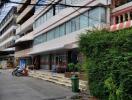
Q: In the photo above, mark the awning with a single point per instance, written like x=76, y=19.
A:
x=27, y=37
x=9, y=49
x=71, y=45
x=55, y=48
x=119, y=26
x=47, y=50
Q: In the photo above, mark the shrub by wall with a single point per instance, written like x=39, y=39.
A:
x=109, y=63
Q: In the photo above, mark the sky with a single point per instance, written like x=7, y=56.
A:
x=6, y=9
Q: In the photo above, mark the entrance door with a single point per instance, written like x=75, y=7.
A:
x=60, y=61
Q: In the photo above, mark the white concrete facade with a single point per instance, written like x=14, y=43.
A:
x=60, y=18
x=7, y=29
x=24, y=31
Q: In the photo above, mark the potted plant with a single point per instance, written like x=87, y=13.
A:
x=70, y=69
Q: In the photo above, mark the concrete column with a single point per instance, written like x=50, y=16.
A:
x=124, y=19
x=128, y=14
x=119, y=19
x=114, y=20
x=108, y=16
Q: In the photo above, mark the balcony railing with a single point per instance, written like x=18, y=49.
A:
x=25, y=26
x=127, y=5
x=20, y=6
x=7, y=32
x=29, y=8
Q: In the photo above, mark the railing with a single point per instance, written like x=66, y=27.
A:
x=29, y=8
x=129, y=4
x=25, y=25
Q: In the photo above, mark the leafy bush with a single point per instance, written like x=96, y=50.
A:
x=78, y=67
x=71, y=67
x=109, y=63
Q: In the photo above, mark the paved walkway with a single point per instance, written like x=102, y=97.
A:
x=56, y=78
x=28, y=88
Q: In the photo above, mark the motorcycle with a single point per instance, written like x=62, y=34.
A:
x=17, y=72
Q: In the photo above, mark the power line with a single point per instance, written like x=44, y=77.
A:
x=55, y=3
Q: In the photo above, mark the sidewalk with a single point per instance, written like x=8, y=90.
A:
x=56, y=78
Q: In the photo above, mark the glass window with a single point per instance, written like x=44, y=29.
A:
x=84, y=20
x=44, y=37
x=75, y=24
x=50, y=35
x=50, y=13
x=41, y=20
x=103, y=15
x=62, y=29
x=76, y=1
x=44, y=17
x=57, y=33
x=68, y=27
x=68, y=2
x=94, y=17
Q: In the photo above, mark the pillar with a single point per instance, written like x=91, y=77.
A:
x=124, y=19
x=128, y=14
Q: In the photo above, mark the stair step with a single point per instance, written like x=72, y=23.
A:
x=57, y=79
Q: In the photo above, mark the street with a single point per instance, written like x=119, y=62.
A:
x=27, y=88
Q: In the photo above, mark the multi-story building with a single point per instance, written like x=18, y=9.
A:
x=121, y=14
x=7, y=37
x=57, y=29
x=24, y=31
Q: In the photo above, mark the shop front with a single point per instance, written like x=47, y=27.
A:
x=58, y=60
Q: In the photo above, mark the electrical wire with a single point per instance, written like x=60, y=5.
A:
x=55, y=3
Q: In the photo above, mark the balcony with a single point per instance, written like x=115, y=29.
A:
x=23, y=53
x=25, y=26
x=122, y=7
x=19, y=7
x=6, y=23
x=8, y=31
x=26, y=10
x=26, y=37
x=24, y=13
x=12, y=38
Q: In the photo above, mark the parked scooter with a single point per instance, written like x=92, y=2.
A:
x=17, y=72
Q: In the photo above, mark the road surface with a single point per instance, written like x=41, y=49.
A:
x=27, y=88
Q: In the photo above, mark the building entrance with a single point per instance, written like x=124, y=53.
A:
x=59, y=61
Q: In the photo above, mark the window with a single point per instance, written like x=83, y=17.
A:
x=57, y=33
x=59, y=8
x=49, y=13
x=44, y=18
x=94, y=17
x=89, y=18
x=84, y=20
x=62, y=29
x=103, y=15
x=68, y=27
x=50, y=35
x=75, y=24
x=44, y=37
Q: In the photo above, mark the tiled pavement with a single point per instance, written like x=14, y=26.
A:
x=56, y=78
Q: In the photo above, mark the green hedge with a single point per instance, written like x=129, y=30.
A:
x=109, y=63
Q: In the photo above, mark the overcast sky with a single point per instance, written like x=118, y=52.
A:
x=6, y=8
